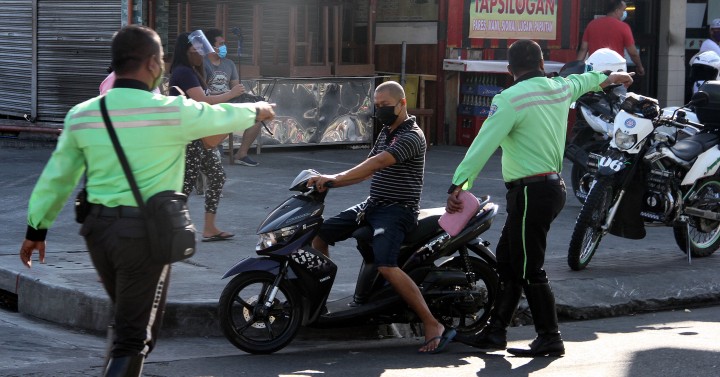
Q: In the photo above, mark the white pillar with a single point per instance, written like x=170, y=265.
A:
x=671, y=53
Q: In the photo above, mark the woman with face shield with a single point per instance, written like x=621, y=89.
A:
x=188, y=75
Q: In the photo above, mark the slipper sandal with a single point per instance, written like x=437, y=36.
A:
x=445, y=339
x=222, y=236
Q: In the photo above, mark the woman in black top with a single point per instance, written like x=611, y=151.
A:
x=188, y=75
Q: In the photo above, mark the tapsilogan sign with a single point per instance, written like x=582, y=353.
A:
x=513, y=19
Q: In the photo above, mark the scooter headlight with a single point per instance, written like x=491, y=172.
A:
x=273, y=238
x=624, y=141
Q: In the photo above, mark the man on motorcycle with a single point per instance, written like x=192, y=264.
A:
x=528, y=121
x=396, y=165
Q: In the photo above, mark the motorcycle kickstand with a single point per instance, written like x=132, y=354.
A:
x=687, y=240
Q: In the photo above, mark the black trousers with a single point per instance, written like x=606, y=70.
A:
x=531, y=209
x=137, y=286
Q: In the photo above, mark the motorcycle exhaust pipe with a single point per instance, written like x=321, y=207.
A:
x=444, y=278
x=697, y=212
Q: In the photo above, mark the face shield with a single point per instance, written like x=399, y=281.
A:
x=200, y=42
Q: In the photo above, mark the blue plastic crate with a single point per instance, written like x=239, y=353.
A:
x=473, y=110
x=480, y=90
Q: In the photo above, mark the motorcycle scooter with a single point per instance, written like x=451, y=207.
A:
x=596, y=111
x=287, y=285
x=651, y=176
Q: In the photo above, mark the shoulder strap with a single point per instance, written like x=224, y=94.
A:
x=122, y=157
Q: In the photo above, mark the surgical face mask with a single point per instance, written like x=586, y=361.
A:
x=158, y=80
x=624, y=16
x=222, y=51
x=386, y=115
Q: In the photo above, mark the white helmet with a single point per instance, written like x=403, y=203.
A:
x=606, y=59
x=705, y=66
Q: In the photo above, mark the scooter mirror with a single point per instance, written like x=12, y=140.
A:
x=699, y=99
x=300, y=182
x=573, y=67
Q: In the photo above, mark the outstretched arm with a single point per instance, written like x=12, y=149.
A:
x=623, y=78
x=355, y=175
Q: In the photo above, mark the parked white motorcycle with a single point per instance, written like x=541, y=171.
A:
x=649, y=174
x=596, y=112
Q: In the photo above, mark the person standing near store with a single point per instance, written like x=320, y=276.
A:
x=708, y=61
x=188, y=74
x=153, y=131
x=527, y=120
x=222, y=75
x=611, y=32
x=713, y=41
x=396, y=165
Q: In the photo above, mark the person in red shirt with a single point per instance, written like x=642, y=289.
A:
x=611, y=32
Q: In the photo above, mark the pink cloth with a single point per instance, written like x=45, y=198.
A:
x=108, y=83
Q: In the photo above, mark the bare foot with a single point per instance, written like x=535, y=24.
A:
x=433, y=336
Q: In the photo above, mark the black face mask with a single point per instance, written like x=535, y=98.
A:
x=386, y=115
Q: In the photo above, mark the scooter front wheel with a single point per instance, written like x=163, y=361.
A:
x=252, y=326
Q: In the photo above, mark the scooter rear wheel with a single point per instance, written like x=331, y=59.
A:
x=470, y=313
x=247, y=324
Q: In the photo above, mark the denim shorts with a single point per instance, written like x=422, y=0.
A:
x=390, y=224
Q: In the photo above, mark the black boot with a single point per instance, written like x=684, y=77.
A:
x=493, y=336
x=542, y=306
x=125, y=366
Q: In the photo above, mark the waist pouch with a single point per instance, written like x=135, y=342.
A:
x=170, y=229
x=82, y=206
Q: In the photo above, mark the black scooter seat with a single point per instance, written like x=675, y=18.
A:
x=427, y=224
x=689, y=148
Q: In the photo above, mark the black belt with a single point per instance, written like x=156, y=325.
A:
x=533, y=179
x=119, y=211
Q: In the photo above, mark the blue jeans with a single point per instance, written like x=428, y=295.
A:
x=390, y=224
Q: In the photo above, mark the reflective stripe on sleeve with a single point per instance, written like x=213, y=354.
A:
x=127, y=124
x=125, y=112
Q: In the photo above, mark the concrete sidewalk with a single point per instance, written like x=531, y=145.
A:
x=624, y=276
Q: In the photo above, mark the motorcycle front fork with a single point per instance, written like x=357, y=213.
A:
x=613, y=211
x=268, y=303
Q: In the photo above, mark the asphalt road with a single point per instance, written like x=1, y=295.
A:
x=676, y=343
x=625, y=276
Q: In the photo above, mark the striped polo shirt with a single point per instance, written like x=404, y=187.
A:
x=401, y=182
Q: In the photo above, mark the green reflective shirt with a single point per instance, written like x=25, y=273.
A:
x=529, y=122
x=153, y=130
